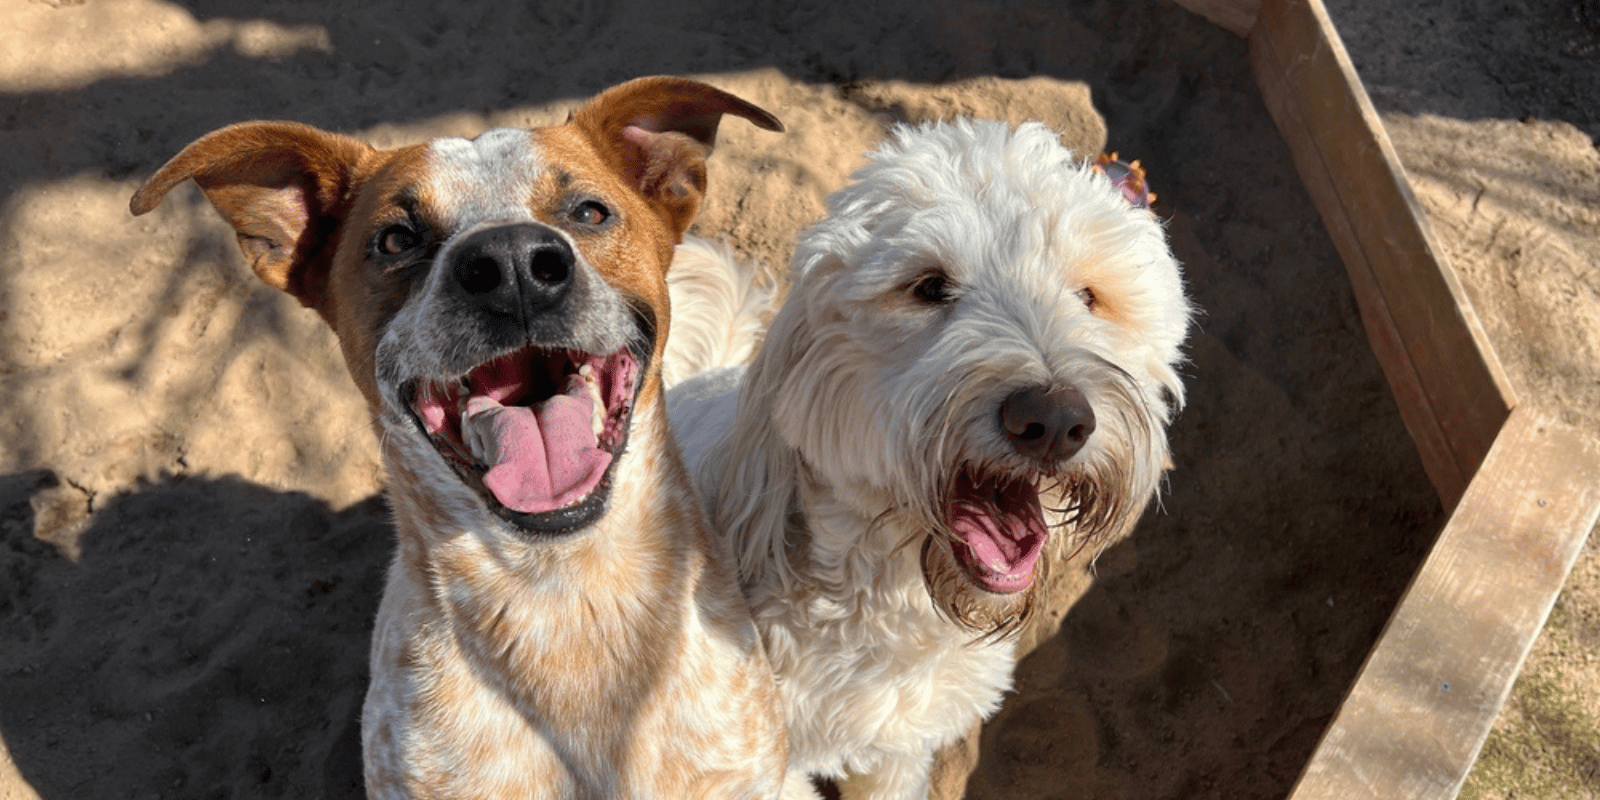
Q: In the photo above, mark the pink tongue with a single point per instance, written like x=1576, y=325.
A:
x=541, y=458
x=1004, y=532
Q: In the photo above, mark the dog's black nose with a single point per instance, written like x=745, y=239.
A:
x=1047, y=422
x=512, y=270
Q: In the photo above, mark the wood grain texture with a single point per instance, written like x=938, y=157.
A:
x=1425, y=700
x=1452, y=393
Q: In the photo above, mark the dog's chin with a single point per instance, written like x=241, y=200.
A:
x=535, y=434
x=965, y=600
x=560, y=522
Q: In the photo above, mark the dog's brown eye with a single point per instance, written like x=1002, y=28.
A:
x=398, y=239
x=590, y=213
x=934, y=288
x=1086, y=294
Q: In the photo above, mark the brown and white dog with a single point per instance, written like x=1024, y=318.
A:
x=555, y=623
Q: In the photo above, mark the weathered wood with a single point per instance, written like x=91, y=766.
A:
x=1236, y=16
x=1425, y=700
x=1525, y=489
x=1452, y=393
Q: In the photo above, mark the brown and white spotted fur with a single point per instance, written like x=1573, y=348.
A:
x=555, y=624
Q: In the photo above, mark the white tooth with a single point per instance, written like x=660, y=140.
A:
x=598, y=411
x=478, y=434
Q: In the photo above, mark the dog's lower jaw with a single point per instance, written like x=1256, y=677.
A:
x=954, y=592
x=512, y=667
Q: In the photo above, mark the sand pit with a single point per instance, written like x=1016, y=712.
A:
x=192, y=535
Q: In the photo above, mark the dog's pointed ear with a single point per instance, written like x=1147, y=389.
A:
x=281, y=185
x=656, y=132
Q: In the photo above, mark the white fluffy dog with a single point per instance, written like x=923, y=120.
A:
x=976, y=358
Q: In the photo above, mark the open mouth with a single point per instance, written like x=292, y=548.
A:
x=999, y=529
x=535, y=432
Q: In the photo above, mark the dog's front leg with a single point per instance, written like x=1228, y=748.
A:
x=896, y=779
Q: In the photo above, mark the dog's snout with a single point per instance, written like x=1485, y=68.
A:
x=514, y=269
x=1047, y=422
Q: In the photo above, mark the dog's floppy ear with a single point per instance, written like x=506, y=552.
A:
x=656, y=132
x=282, y=187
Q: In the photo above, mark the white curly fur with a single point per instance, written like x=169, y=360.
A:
x=703, y=332
x=828, y=462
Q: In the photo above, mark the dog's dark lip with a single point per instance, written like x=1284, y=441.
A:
x=569, y=519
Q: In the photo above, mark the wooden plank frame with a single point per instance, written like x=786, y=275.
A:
x=1416, y=718
x=1524, y=488
x=1452, y=393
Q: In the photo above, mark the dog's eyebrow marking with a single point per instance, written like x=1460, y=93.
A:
x=409, y=200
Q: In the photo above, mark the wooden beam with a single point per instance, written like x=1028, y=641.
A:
x=1418, y=713
x=1452, y=393
x=1237, y=16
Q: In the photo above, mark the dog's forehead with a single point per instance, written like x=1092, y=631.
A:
x=490, y=177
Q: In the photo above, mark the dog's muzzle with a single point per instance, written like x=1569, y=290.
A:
x=995, y=516
x=533, y=423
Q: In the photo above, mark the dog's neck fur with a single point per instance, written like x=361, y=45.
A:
x=517, y=609
x=620, y=566
x=865, y=596
x=826, y=548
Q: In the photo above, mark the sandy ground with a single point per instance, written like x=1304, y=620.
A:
x=192, y=534
x=1495, y=110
